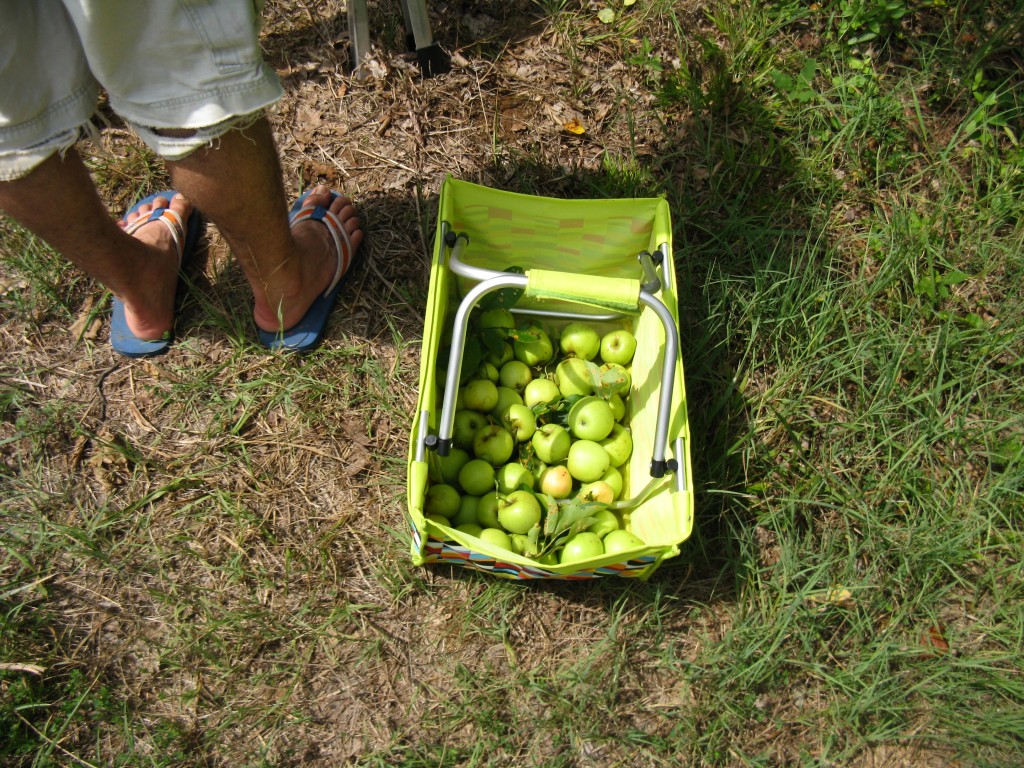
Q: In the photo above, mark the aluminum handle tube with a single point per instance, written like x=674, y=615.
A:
x=652, y=283
x=459, y=329
x=461, y=268
x=668, y=370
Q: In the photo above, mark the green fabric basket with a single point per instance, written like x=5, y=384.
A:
x=563, y=245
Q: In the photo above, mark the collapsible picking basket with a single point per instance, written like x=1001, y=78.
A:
x=605, y=262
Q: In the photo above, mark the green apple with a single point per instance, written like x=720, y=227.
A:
x=499, y=359
x=497, y=538
x=573, y=377
x=582, y=546
x=477, y=477
x=551, y=443
x=580, y=340
x=467, y=511
x=519, y=543
x=535, y=352
x=615, y=377
x=515, y=374
x=618, y=406
x=442, y=499
x=520, y=422
x=487, y=510
x=621, y=541
x=618, y=347
x=480, y=395
x=445, y=469
x=506, y=397
x=619, y=445
x=591, y=418
x=614, y=478
x=541, y=391
x=439, y=520
x=597, y=491
x=519, y=512
x=470, y=528
x=604, y=523
x=494, y=445
x=497, y=317
x=465, y=425
x=587, y=461
x=511, y=476
x=556, y=481
x=551, y=558
x=487, y=371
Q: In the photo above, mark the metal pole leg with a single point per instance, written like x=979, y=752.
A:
x=432, y=60
x=359, y=34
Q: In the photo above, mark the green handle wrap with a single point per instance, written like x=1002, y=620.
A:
x=620, y=294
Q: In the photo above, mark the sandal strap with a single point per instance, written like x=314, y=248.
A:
x=169, y=219
x=342, y=241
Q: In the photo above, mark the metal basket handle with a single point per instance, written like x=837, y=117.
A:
x=494, y=281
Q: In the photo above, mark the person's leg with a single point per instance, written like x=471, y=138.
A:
x=185, y=77
x=58, y=202
x=49, y=93
x=236, y=183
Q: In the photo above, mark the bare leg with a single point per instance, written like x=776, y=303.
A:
x=237, y=185
x=58, y=202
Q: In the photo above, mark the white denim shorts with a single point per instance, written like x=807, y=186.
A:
x=173, y=64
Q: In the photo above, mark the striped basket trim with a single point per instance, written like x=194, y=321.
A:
x=437, y=551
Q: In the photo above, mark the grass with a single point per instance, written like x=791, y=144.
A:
x=203, y=559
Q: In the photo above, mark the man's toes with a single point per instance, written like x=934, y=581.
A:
x=152, y=205
x=352, y=225
x=320, y=196
x=146, y=209
x=340, y=206
x=180, y=205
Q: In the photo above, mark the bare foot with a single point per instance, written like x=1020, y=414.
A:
x=150, y=315
x=282, y=306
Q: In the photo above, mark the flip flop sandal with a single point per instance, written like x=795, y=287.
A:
x=305, y=335
x=121, y=338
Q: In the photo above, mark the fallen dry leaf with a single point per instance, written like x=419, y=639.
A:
x=934, y=639
x=837, y=596
x=86, y=326
x=574, y=126
x=142, y=421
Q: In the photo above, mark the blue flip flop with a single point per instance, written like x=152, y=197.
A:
x=185, y=240
x=308, y=332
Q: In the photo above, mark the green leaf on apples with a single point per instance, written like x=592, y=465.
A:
x=563, y=522
x=504, y=297
x=595, y=375
x=557, y=412
x=472, y=356
x=494, y=340
x=607, y=383
x=523, y=336
x=528, y=456
x=533, y=547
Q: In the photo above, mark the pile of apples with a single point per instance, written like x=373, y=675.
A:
x=538, y=440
